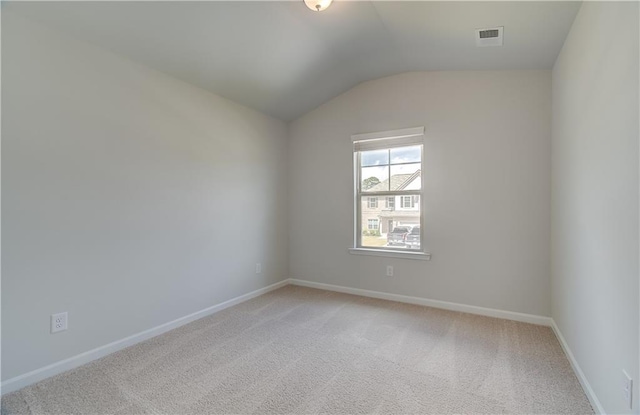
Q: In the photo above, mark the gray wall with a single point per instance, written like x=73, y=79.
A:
x=487, y=161
x=129, y=199
x=595, y=197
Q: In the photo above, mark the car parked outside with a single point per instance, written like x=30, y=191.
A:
x=413, y=238
x=397, y=235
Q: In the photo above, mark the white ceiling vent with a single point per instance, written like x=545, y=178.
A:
x=491, y=36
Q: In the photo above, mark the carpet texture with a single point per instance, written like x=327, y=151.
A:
x=306, y=351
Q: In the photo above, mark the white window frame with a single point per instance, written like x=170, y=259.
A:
x=377, y=224
x=371, y=205
x=384, y=140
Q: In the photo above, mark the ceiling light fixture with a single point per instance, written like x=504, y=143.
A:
x=317, y=5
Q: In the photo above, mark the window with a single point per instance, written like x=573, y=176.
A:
x=391, y=202
x=388, y=165
x=408, y=202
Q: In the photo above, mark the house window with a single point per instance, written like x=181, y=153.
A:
x=391, y=202
x=408, y=202
x=388, y=165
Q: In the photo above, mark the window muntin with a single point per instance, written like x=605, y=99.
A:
x=391, y=169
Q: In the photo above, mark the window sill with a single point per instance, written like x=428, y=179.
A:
x=421, y=256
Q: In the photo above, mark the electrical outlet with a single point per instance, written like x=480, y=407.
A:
x=258, y=268
x=389, y=270
x=627, y=387
x=58, y=322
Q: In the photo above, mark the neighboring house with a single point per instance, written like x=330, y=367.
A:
x=383, y=213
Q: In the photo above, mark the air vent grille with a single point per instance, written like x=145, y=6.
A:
x=485, y=34
x=491, y=36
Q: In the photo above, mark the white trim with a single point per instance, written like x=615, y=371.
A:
x=389, y=253
x=471, y=309
x=37, y=375
x=593, y=399
x=405, y=132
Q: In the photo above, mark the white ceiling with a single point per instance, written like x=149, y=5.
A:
x=282, y=59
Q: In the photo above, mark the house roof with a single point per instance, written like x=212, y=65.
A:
x=395, y=182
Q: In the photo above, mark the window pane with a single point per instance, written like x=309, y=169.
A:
x=394, y=223
x=374, y=179
x=374, y=158
x=406, y=154
x=406, y=177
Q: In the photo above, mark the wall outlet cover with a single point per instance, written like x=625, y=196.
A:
x=59, y=322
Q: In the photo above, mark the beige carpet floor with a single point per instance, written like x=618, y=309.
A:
x=300, y=350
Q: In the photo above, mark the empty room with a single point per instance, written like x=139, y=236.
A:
x=320, y=207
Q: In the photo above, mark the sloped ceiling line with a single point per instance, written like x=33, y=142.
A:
x=284, y=60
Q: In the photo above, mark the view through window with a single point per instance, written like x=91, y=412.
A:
x=389, y=191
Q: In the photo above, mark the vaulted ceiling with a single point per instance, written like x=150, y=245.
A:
x=282, y=59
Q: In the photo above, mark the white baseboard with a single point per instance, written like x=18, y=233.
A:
x=26, y=379
x=490, y=312
x=483, y=311
x=29, y=378
x=593, y=399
